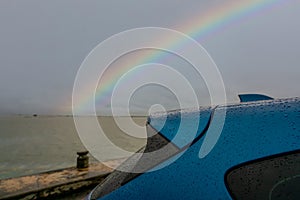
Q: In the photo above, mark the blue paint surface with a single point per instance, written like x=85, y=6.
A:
x=169, y=125
x=251, y=131
x=253, y=97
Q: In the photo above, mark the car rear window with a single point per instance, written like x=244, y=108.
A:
x=273, y=178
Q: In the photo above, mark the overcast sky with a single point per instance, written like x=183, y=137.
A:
x=43, y=43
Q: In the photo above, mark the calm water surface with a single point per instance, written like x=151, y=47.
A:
x=30, y=145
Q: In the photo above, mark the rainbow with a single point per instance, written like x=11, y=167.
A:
x=198, y=27
x=229, y=13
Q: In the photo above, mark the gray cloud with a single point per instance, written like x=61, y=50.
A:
x=42, y=45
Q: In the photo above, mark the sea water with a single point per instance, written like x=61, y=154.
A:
x=30, y=145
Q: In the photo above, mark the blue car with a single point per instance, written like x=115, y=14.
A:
x=256, y=155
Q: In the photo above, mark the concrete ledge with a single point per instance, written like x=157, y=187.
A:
x=54, y=183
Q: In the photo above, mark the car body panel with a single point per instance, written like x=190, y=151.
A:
x=253, y=97
x=251, y=131
x=169, y=125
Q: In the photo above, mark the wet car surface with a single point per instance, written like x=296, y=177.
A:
x=264, y=134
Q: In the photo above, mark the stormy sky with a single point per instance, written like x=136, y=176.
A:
x=43, y=43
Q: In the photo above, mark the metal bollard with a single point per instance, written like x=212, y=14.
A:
x=82, y=160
